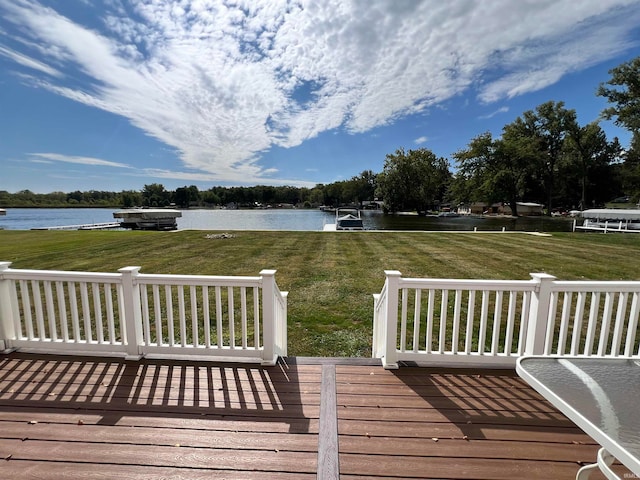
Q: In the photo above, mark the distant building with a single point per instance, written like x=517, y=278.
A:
x=525, y=209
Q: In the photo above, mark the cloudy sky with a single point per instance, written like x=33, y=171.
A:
x=116, y=94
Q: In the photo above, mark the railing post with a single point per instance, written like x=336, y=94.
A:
x=269, y=355
x=132, y=311
x=7, y=331
x=539, y=314
x=390, y=358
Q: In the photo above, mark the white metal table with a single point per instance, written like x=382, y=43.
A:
x=601, y=396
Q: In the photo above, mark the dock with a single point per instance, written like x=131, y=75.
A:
x=85, y=226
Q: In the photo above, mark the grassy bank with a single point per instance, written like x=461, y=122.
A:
x=330, y=276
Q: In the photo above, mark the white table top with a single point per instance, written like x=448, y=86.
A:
x=600, y=395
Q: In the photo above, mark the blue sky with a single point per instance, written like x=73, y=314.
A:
x=116, y=94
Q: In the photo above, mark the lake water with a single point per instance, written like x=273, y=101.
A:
x=274, y=219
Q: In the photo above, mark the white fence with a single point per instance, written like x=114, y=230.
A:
x=493, y=322
x=133, y=314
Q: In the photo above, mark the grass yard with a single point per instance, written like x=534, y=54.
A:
x=330, y=276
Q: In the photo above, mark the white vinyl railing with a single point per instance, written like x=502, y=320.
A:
x=493, y=322
x=133, y=314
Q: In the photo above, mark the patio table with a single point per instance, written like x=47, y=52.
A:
x=601, y=396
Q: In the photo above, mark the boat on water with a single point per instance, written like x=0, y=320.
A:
x=346, y=219
x=609, y=220
x=3, y=211
x=148, y=218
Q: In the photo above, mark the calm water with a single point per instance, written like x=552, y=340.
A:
x=306, y=220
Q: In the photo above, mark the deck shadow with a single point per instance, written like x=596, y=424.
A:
x=113, y=388
x=474, y=400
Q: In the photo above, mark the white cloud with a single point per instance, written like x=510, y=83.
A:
x=28, y=62
x=421, y=140
x=56, y=157
x=224, y=81
x=494, y=113
x=204, y=177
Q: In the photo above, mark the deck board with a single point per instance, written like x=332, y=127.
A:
x=86, y=417
x=438, y=423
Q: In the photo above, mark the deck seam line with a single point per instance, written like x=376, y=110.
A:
x=328, y=452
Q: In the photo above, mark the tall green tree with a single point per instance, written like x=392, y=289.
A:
x=630, y=169
x=185, y=196
x=590, y=154
x=413, y=180
x=494, y=170
x=623, y=92
x=155, y=195
x=540, y=135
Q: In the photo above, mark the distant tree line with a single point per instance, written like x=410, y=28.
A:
x=543, y=156
x=353, y=191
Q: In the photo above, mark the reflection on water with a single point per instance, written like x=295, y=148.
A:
x=413, y=222
x=274, y=219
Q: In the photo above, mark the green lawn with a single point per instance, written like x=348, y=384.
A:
x=330, y=276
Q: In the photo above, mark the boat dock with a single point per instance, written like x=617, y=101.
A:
x=86, y=226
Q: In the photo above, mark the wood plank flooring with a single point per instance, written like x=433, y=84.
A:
x=88, y=417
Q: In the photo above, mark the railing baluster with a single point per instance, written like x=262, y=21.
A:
x=219, y=317
x=195, y=330
x=206, y=316
x=108, y=298
x=456, y=321
x=511, y=319
x=144, y=303
x=157, y=313
x=232, y=319
x=86, y=312
x=15, y=311
x=577, y=323
x=564, y=323
x=606, y=324
x=26, y=308
x=592, y=323
x=619, y=326
x=170, y=321
x=403, y=320
x=37, y=303
x=181, y=317
x=497, y=321
x=484, y=314
x=256, y=316
x=430, y=307
x=633, y=325
x=524, y=322
x=62, y=311
x=471, y=306
x=551, y=323
x=51, y=311
x=75, y=314
x=243, y=312
x=97, y=312
x=442, y=337
x=417, y=320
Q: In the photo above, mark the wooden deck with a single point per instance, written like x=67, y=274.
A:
x=81, y=417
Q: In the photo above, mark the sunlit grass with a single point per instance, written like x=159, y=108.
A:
x=330, y=276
